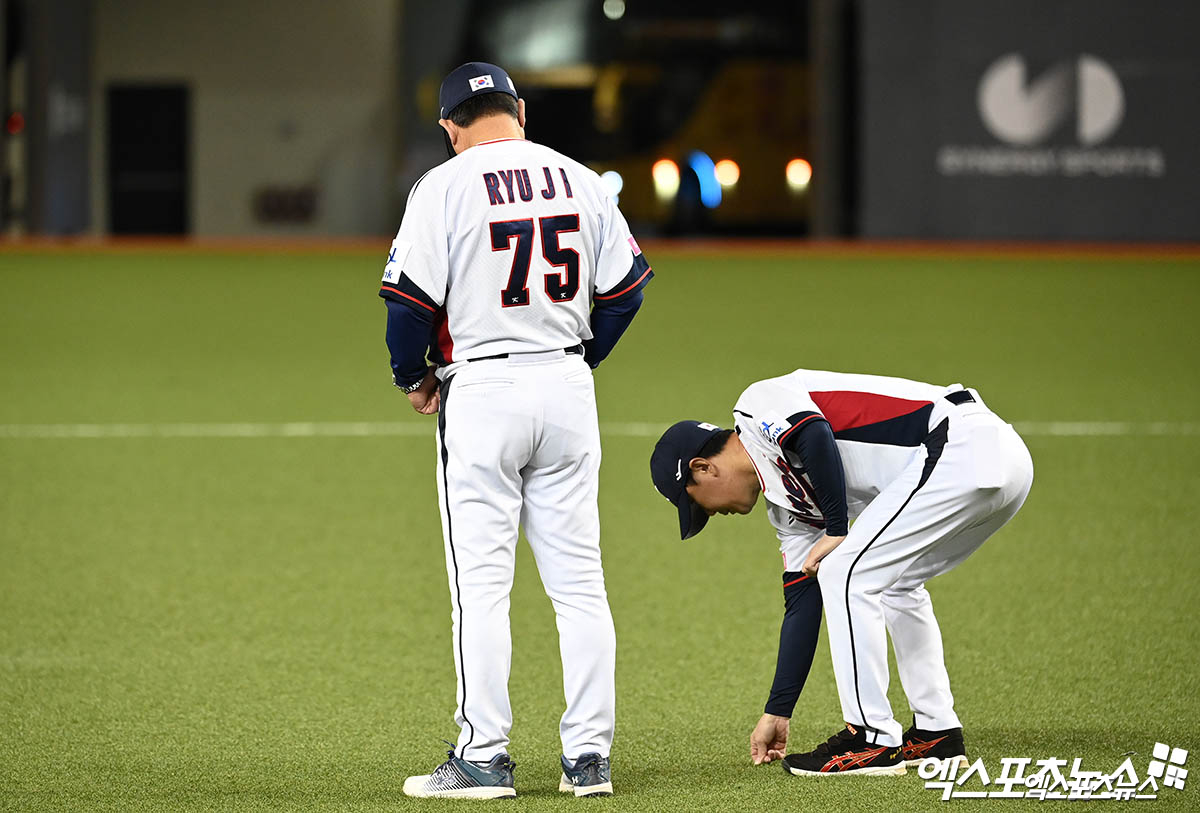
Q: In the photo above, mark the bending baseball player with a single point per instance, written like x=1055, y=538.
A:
x=927, y=473
x=517, y=262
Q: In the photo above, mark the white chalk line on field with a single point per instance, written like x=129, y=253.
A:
x=364, y=429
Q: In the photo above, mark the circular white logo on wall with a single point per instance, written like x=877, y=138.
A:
x=1024, y=113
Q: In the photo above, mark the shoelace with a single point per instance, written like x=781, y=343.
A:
x=588, y=762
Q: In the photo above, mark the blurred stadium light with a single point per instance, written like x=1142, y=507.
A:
x=727, y=172
x=706, y=176
x=798, y=173
x=614, y=9
x=665, y=173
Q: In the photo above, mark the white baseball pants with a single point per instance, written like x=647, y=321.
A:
x=970, y=477
x=519, y=445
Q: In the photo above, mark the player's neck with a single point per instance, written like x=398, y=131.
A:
x=744, y=464
x=492, y=128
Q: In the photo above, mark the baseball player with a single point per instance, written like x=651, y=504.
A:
x=927, y=474
x=514, y=272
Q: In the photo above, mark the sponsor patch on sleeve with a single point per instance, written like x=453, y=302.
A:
x=395, y=262
x=771, y=431
x=636, y=248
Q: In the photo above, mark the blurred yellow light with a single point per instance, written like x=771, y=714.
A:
x=727, y=172
x=799, y=173
x=666, y=178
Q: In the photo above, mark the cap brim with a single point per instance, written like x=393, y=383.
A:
x=692, y=517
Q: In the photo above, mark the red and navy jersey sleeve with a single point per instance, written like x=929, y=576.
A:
x=399, y=287
x=629, y=285
x=797, y=642
x=417, y=267
x=621, y=268
x=408, y=342
x=414, y=283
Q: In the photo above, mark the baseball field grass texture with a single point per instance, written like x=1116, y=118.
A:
x=222, y=583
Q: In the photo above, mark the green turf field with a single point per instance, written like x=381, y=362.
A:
x=262, y=622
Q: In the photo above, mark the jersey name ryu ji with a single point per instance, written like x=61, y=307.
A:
x=518, y=186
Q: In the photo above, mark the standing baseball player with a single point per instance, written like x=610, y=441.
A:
x=517, y=263
x=927, y=473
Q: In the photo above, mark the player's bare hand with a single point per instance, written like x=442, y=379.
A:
x=433, y=404
x=825, y=546
x=427, y=398
x=768, y=740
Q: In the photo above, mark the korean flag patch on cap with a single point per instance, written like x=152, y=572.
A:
x=481, y=82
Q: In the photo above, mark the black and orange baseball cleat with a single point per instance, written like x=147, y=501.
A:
x=847, y=753
x=920, y=744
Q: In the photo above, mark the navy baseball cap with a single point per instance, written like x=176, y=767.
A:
x=669, y=470
x=472, y=79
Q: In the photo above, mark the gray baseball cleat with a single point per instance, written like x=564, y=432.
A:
x=459, y=779
x=591, y=775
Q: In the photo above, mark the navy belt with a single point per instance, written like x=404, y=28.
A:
x=577, y=350
x=960, y=397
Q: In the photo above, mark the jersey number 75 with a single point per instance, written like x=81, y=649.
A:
x=560, y=286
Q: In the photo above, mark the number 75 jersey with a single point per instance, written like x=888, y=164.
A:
x=508, y=246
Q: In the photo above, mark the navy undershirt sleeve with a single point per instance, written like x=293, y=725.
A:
x=408, y=331
x=813, y=444
x=609, y=321
x=797, y=642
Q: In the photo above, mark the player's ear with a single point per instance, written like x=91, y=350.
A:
x=701, y=466
x=521, y=113
x=451, y=130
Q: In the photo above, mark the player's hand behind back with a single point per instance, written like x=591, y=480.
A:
x=427, y=398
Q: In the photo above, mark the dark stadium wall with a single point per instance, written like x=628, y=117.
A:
x=432, y=33
x=293, y=119
x=1028, y=120
x=57, y=116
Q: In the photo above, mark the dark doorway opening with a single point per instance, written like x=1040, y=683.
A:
x=148, y=143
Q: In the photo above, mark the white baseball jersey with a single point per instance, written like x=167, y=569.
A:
x=928, y=479
x=508, y=245
x=877, y=421
x=523, y=238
